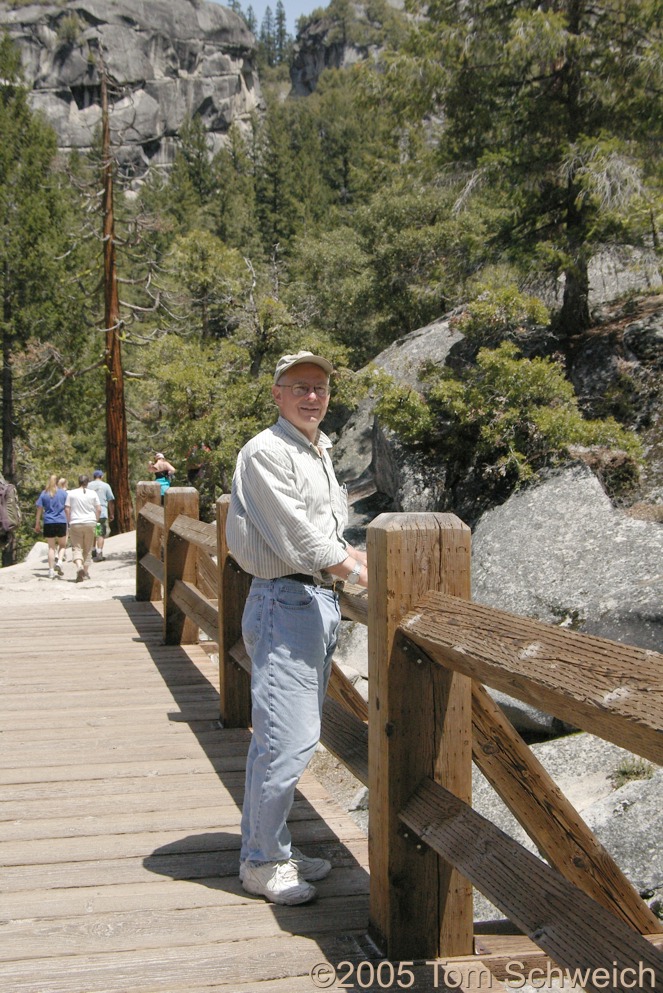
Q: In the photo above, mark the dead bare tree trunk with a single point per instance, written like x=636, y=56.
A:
x=117, y=452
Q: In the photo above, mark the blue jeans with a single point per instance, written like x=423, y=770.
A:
x=290, y=631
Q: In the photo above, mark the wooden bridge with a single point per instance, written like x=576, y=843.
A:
x=121, y=800
x=120, y=837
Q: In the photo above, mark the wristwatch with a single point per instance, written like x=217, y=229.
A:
x=353, y=576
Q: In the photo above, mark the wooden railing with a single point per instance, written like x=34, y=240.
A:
x=430, y=653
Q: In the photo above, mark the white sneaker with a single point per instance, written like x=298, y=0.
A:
x=51, y=573
x=278, y=882
x=58, y=569
x=308, y=868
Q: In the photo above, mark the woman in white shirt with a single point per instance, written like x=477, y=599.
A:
x=83, y=510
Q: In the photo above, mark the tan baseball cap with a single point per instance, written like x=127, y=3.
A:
x=288, y=361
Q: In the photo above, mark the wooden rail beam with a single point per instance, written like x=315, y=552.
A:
x=612, y=690
x=208, y=576
x=149, y=532
x=151, y=511
x=154, y=566
x=419, y=725
x=353, y=602
x=179, y=562
x=573, y=929
x=233, y=588
x=346, y=694
x=197, y=607
x=506, y=953
x=196, y=532
x=557, y=829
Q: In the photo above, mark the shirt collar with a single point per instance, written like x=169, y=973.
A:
x=321, y=441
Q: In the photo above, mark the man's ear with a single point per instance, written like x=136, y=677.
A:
x=277, y=393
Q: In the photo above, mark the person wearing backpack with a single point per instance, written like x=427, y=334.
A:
x=51, y=503
x=10, y=518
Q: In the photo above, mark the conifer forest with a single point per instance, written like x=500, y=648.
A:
x=476, y=163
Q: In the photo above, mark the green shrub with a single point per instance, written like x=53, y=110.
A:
x=68, y=29
x=498, y=313
x=513, y=415
x=405, y=411
x=630, y=769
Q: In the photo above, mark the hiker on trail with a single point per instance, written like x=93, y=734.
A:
x=107, y=501
x=50, y=503
x=83, y=510
x=163, y=472
x=10, y=518
x=63, y=484
x=285, y=526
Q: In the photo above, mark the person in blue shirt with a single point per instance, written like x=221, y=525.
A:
x=50, y=503
x=107, y=501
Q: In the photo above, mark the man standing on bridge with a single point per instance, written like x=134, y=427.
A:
x=285, y=526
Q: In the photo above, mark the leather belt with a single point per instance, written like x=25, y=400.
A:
x=336, y=585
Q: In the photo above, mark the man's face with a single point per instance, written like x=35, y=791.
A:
x=304, y=412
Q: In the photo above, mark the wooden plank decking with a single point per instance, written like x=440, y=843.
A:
x=119, y=822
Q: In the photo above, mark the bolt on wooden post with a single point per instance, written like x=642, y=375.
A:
x=420, y=724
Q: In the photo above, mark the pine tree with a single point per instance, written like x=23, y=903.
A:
x=39, y=320
x=268, y=38
x=251, y=19
x=276, y=189
x=282, y=40
x=234, y=207
x=550, y=108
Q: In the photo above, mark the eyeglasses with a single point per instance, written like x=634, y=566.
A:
x=304, y=389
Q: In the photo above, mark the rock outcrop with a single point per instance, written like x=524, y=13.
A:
x=626, y=819
x=166, y=60
x=318, y=47
x=559, y=550
x=617, y=370
x=335, y=40
x=562, y=553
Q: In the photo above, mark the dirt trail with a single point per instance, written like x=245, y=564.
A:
x=28, y=583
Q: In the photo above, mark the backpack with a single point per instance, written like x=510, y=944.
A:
x=10, y=510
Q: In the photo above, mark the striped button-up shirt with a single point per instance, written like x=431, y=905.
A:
x=287, y=510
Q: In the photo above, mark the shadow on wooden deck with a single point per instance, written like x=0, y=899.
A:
x=119, y=822
x=211, y=859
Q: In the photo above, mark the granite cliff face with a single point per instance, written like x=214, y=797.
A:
x=318, y=47
x=167, y=61
x=334, y=40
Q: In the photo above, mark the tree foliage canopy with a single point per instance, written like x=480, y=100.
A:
x=482, y=154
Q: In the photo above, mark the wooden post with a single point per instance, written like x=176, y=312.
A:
x=233, y=588
x=179, y=563
x=419, y=725
x=148, y=539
